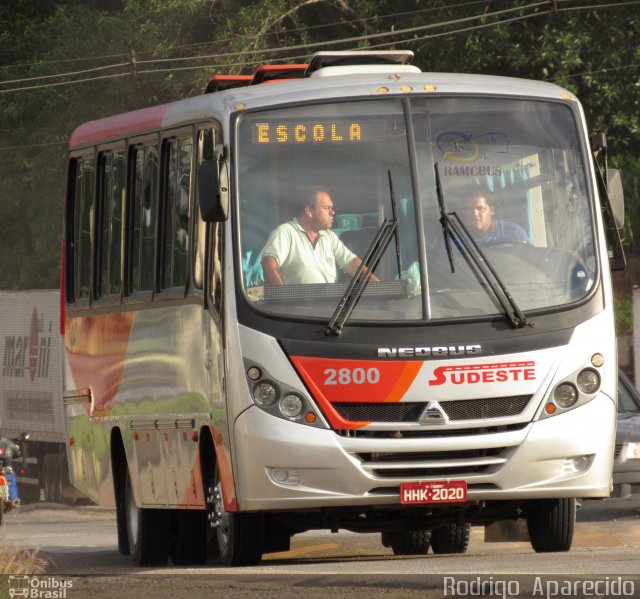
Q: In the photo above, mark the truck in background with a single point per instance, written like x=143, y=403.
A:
x=31, y=410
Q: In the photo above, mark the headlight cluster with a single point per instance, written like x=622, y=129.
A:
x=272, y=397
x=566, y=394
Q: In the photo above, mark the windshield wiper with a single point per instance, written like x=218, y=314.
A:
x=444, y=221
x=451, y=223
x=361, y=277
x=397, y=231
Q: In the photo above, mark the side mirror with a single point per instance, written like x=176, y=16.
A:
x=213, y=190
x=616, y=196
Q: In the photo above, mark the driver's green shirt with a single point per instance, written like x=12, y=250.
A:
x=299, y=261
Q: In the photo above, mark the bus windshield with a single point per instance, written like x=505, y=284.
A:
x=315, y=183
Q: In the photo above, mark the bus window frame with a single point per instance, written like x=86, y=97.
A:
x=104, y=299
x=160, y=292
x=205, y=235
x=71, y=273
x=137, y=296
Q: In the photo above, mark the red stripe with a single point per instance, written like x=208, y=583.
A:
x=118, y=126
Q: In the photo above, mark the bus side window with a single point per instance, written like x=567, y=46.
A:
x=111, y=177
x=176, y=180
x=142, y=215
x=207, y=139
x=80, y=241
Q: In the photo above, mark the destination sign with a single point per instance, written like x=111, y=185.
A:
x=316, y=132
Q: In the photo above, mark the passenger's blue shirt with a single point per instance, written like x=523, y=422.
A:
x=503, y=231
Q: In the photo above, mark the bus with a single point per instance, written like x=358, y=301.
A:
x=432, y=381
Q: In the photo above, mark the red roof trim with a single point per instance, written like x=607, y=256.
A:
x=219, y=83
x=117, y=126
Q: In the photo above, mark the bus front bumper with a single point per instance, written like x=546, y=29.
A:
x=282, y=465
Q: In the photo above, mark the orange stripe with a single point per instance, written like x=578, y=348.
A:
x=405, y=380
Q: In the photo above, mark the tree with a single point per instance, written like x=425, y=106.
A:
x=134, y=53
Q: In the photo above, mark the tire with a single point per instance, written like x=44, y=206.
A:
x=188, y=537
x=121, y=525
x=147, y=531
x=407, y=542
x=451, y=538
x=551, y=523
x=240, y=536
x=53, y=477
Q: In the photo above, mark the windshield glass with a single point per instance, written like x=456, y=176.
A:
x=315, y=185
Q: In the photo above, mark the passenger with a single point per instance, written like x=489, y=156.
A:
x=304, y=249
x=479, y=217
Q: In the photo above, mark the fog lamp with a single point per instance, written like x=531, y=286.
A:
x=577, y=463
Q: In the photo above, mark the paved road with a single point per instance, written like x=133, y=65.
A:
x=80, y=546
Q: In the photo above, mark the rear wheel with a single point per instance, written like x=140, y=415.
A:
x=147, y=531
x=53, y=477
x=551, y=523
x=451, y=538
x=407, y=542
x=240, y=536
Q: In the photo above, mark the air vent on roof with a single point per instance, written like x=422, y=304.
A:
x=347, y=58
x=219, y=83
x=276, y=72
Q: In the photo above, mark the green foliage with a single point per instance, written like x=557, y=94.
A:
x=594, y=52
x=623, y=308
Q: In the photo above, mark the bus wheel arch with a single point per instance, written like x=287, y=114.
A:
x=143, y=533
x=237, y=536
x=119, y=469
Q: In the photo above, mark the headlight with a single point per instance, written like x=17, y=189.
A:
x=565, y=395
x=265, y=394
x=290, y=406
x=588, y=381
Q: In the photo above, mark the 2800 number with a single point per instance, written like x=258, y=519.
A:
x=348, y=376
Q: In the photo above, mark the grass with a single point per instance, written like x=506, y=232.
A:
x=20, y=561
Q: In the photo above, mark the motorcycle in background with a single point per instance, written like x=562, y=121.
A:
x=8, y=486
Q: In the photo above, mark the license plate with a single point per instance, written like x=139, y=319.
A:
x=449, y=491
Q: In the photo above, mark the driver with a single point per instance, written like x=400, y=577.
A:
x=305, y=250
x=479, y=216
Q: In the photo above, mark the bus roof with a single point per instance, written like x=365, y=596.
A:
x=326, y=83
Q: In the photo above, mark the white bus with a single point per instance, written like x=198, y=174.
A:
x=470, y=380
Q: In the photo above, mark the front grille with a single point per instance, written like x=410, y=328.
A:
x=465, y=409
x=431, y=433
x=420, y=456
x=417, y=472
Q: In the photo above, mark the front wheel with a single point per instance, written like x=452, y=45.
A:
x=240, y=536
x=551, y=523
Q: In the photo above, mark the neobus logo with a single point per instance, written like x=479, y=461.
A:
x=500, y=372
x=28, y=353
x=429, y=351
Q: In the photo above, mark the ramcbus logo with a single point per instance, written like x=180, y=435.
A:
x=499, y=372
